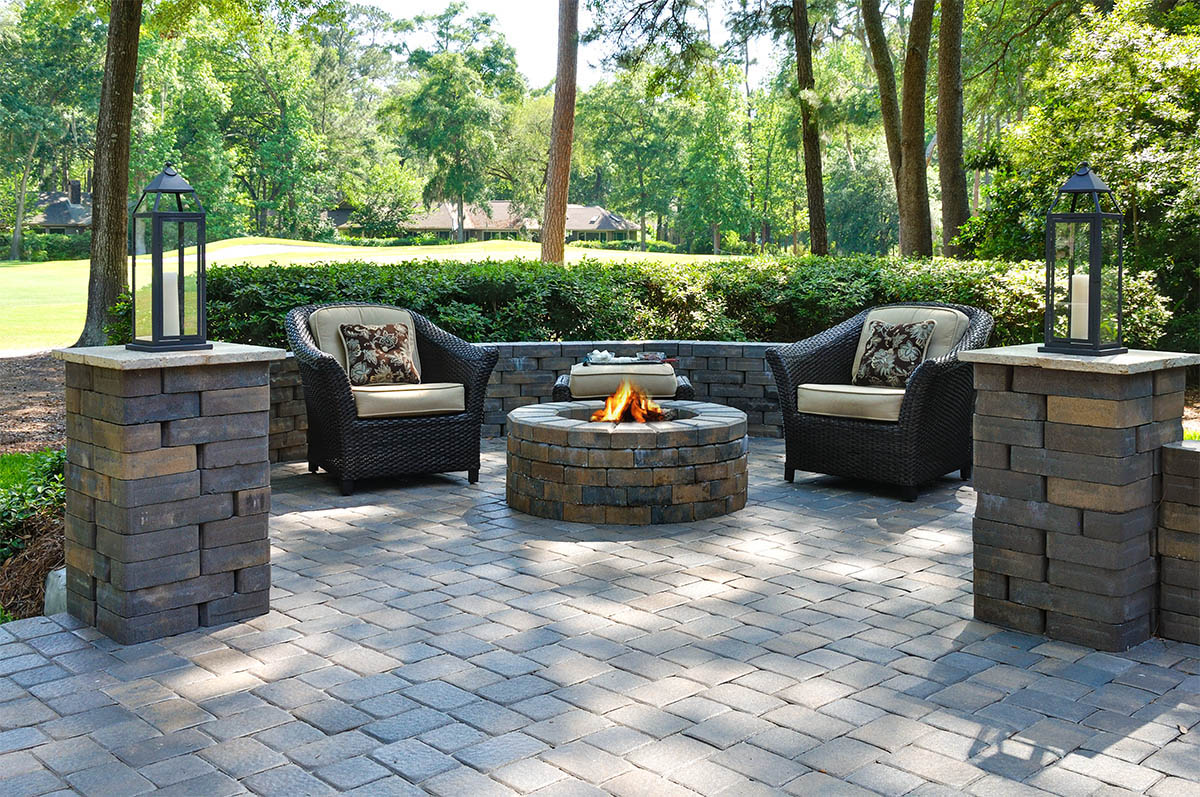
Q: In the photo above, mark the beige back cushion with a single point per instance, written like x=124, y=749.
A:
x=601, y=381
x=951, y=326
x=325, y=325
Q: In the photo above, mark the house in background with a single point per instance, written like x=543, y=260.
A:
x=61, y=212
x=584, y=222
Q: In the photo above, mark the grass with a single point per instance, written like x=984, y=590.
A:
x=42, y=305
x=14, y=468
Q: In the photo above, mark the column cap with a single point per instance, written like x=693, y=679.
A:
x=1134, y=361
x=120, y=358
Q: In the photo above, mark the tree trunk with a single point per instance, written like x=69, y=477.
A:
x=818, y=237
x=462, y=221
x=916, y=236
x=643, y=231
x=19, y=220
x=951, y=174
x=562, y=129
x=716, y=239
x=110, y=215
x=885, y=75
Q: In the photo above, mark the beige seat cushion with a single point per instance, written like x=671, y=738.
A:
x=390, y=401
x=851, y=401
x=951, y=326
x=325, y=326
x=601, y=381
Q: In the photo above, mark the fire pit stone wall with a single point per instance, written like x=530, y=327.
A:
x=563, y=467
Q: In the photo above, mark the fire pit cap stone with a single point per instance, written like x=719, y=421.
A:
x=563, y=423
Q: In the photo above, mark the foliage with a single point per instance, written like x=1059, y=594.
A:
x=1124, y=95
x=628, y=245
x=760, y=298
x=418, y=239
x=34, y=488
x=41, y=246
x=449, y=119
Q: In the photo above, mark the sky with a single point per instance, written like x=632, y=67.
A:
x=531, y=27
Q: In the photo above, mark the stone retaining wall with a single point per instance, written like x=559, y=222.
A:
x=1179, y=544
x=731, y=373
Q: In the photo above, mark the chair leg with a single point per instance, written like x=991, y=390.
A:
x=965, y=472
x=312, y=466
x=472, y=475
x=909, y=492
x=789, y=474
x=347, y=486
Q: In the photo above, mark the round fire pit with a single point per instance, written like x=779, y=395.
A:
x=565, y=467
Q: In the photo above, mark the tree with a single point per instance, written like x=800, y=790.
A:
x=562, y=130
x=715, y=188
x=450, y=120
x=814, y=181
x=41, y=90
x=476, y=39
x=951, y=174
x=904, y=123
x=638, y=134
x=110, y=216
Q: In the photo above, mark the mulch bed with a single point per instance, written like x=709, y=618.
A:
x=23, y=575
x=31, y=403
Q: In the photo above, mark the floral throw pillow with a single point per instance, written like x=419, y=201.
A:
x=379, y=354
x=892, y=353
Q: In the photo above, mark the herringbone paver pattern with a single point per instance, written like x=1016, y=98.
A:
x=424, y=639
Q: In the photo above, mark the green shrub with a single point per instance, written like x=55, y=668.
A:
x=38, y=489
x=758, y=299
x=38, y=247
x=628, y=245
x=417, y=239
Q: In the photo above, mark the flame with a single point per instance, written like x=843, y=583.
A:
x=629, y=403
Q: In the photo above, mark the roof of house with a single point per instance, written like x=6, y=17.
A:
x=503, y=218
x=55, y=209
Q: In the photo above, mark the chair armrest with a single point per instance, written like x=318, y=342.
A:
x=448, y=358
x=938, y=386
x=320, y=372
x=825, y=358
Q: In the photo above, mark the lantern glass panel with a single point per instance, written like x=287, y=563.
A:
x=1110, y=264
x=142, y=302
x=1072, y=249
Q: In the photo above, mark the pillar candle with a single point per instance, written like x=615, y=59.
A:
x=1079, y=306
x=170, y=304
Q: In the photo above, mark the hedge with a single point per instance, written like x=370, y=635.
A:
x=752, y=299
x=40, y=247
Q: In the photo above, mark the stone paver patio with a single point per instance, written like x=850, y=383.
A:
x=819, y=641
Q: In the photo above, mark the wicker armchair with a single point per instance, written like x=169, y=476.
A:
x=352, y=447
x=932, y=435
x=683, y=391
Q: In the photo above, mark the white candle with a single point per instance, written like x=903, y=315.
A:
x=170, y=304
x=1079, y=306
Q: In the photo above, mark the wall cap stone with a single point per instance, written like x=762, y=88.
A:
x=120, y=358
x=1135, y=361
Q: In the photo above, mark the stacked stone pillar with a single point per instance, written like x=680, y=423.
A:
x=1179, y=544
x=168, y=488
x=1068, y=466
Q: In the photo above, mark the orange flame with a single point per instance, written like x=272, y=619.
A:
x=629, y=403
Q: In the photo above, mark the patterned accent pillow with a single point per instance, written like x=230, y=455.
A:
x=892, y=353
x=379, y=354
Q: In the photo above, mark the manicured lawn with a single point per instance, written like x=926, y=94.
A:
x=42, y=304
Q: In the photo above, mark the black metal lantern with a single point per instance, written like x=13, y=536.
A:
x=1083, y=268
x=168, y=225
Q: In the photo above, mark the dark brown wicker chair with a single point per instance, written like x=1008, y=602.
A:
x=932, y=436
x=683, y=392
x=351, y=447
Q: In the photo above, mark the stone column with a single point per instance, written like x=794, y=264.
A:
x=168, y=487
x=1067, y=472
x=1179, y=544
